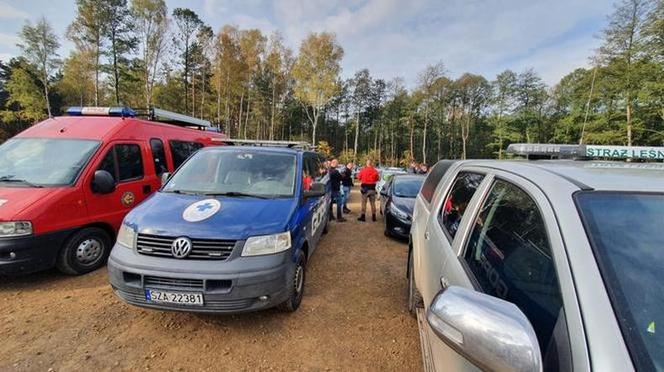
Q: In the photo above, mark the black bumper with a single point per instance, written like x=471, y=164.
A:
x=28, y=254
x=396, y=227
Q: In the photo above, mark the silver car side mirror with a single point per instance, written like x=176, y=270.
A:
x=491, y=333
x=164, y=177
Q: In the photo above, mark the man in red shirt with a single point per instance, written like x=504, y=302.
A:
x=368, y=177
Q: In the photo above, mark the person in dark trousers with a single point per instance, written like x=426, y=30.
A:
x=368, y=177
x=347, y=184
x=335, y=182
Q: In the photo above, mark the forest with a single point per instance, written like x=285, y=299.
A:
x=139, y=53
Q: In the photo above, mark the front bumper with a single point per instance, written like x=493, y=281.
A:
x=232, y=286
x=397, y=227
x=28, y=254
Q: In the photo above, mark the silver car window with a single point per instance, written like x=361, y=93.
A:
x=509, y=256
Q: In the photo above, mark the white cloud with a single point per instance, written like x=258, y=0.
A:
x=8, y=11
x=9, y=40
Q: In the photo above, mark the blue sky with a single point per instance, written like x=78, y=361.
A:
x=392, y=37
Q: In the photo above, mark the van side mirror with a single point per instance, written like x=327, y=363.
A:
x=491, y=333
x=317, y=189
x=103, y=182
x=165, y=177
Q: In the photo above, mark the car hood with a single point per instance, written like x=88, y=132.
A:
x=14, y=200
x=405, y=204
x=238, y=217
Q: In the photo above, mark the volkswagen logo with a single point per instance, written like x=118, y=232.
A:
x=181, y=247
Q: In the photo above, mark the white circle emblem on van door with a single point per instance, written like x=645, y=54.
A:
x=201, y=210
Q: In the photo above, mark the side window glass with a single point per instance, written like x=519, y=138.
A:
x=108, y=163
x=130, y=163
x=181, y=150
x=510, y=256
x=433, y=179
x=309, y=172
x=457, y=200
x=158, y=156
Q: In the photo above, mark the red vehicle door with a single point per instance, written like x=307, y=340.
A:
x=126, y=161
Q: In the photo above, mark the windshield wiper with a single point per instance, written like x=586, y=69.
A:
x=236, y=194
x=185, y=192
x=18, y=180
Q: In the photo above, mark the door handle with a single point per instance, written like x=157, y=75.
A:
x=146, y=189
x=426, y=234
x=444, y=283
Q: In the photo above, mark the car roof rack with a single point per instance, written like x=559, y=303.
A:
x=265, y=143
x=152, y=113
x=535, y=151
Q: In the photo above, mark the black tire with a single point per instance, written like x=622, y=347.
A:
x=414, y=298
x=85, y=251
x=326, y=228
x=386, y=229
x=296, y=288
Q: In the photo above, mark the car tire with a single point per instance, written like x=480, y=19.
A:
x=85, y=251
x=295, y=288
x=326, y=227
x=414, y=298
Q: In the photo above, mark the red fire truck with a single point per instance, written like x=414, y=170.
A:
x=67, y=182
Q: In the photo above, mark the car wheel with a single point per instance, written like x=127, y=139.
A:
x=85, y=251
x=296, y=288
x=326, y=227
x=414, y=298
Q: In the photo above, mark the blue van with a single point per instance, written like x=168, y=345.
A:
x=231, y=231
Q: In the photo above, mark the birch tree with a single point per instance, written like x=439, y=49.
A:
x=316, y=72
x=39, y=45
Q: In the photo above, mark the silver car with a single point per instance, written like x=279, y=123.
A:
x=540, y=265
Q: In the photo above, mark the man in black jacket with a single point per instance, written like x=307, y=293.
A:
x=335, y=182
x=347, y=184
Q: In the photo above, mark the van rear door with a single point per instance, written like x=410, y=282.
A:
x=125, y=161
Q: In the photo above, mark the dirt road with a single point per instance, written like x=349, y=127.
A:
x=353, y=317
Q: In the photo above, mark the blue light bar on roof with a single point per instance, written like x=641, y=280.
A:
x=101, y=111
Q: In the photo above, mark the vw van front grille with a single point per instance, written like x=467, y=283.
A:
x=202, y=249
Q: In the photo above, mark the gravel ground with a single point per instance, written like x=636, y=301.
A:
x=353, y=317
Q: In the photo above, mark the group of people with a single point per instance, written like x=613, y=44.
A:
x=416, y=168
x=342, y=182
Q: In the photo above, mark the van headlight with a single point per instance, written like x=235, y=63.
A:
x=15, y=228
x=126, y=236
x=267, y=244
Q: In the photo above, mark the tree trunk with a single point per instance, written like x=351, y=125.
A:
x=239, y=117
x=48, y=100
x=246, y=119
x=272, y=113
x=97, y=74
x=424, y=134
x=116, y=73
x=357, y=135
x=412, y=136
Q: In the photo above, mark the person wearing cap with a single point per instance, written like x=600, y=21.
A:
x=368, y=177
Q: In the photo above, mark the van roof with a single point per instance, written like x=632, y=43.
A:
x=102, y=128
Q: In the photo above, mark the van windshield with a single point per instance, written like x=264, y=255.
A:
x=43, y=162
x=625, y=230
x=236, y=173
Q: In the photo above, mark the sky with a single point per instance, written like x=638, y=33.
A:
x=391, y=37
